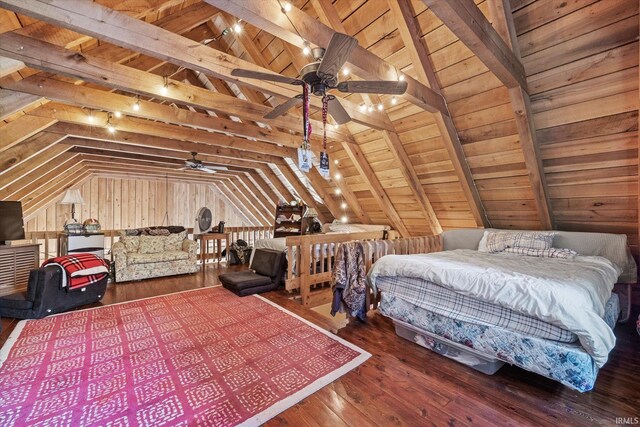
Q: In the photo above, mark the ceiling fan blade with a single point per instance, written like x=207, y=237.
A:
x=206, y=169
x=379, y=87
x=239, y=72
x=217, y=168
x=335, y=56
x=337, y=111
x=284, y=107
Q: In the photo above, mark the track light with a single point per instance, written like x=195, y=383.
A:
x=286, y=7
x=394, y=101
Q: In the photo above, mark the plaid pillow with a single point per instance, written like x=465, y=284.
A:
x=498, y=241
x=548, y=253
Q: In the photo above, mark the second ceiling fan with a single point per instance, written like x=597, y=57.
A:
x=322, y=75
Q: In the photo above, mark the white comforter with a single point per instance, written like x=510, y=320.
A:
x=570, y=294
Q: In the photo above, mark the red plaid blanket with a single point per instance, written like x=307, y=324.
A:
x=80, y=270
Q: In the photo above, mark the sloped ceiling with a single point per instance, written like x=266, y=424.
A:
x=520, y=114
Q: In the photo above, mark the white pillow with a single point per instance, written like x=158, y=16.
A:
x=482, y=245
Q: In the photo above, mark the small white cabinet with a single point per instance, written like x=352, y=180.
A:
x=92, y=243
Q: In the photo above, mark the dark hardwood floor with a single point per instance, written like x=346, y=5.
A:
x=404, y=384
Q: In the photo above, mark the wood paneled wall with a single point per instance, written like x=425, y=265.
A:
x=130, y=203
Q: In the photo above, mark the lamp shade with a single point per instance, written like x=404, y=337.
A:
x=72, y=197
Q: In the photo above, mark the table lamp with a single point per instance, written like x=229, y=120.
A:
x=71, y=197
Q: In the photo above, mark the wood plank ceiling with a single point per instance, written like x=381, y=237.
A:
x=520, y=114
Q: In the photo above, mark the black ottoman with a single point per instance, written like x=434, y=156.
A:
x=268, y=267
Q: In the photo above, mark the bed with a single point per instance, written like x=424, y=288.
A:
x=551, y=316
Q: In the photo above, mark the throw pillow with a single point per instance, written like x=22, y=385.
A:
x=498, y=241
x=173, y=242
x=131, y=243
x=151, y=244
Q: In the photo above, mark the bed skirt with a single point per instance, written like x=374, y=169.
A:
x=567, y=363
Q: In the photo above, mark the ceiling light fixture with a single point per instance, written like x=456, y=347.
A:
x=306, y=48
x=164, y=90
x=136, y=106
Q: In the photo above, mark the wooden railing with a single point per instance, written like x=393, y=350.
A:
x=311, y=259
x=49, y=239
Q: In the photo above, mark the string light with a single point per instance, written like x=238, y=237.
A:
x=345, y=71
x=336, y=126
x=380, y=107
x=90, y=118
x=118, y=114
x=363, y=108
x=136, y=106
x=165, y=87
x=110, y=127
x=394, y=101
x=286, y=7
x=337, y=176
x=338, y=191
x=336, y=161
x=237, y=28
x=401, y=78
x=370, y=109
x=306, y=48
x=344, y=219
x=343, y=205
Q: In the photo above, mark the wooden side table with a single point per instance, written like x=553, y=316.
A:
x=217, y=239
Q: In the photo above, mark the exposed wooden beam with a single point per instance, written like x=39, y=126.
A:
x=37, y=177
x=102, y=100
x=350, y=197
x=404, y=15
x=8, y=66
x=246, y=203
x=11, y=102
x=377, y=191
x=103, y=72
x=22, y=128
x=271, y=175
x=118, y=28
x=52, y=190
x=468, y=23
x=26, y=149
x=266, y=15
x=319, y=184
x=239, y=211
x=35, y=162
x=500, y=11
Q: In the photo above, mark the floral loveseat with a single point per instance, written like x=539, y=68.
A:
x=146, y=256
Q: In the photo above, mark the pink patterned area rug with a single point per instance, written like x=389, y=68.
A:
x=198, y=358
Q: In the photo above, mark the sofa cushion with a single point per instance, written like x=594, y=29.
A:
x=139, y=258
x=243, y=280
x=151, y=244
x=131, y=243
x=265, y=262
x=173, y=242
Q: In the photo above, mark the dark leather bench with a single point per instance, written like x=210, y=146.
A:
x=266, y=274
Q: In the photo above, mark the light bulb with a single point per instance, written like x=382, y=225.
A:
x=164, y=90
x=345, y=71
x=370, y=109
x=344, y=219
x=401, y=78
x=237, y=28
x=343, y=205
x=336, y=161
x=111, y=129
x=336, y=126
x=394, y=101
x=363, y=107
x=287, y=7
x=337, y=176
x=306, y=48
x=90, y=118
x=338, y=192
x=380, y=107
x=136, y=106
x=118, y=114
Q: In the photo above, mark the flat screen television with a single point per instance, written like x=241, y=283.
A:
x=11, y=224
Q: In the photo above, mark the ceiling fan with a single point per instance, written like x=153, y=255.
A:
x=195, y=164
x=322, y=75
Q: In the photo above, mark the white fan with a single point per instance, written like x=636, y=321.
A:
x=203, y=221
x=195, y=164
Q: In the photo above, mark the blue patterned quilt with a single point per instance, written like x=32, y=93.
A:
x=566, y=363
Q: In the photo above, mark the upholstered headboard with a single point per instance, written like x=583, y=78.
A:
x=611, y=246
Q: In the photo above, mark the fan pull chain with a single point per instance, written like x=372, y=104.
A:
x=304, y=163
x=324, y=157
